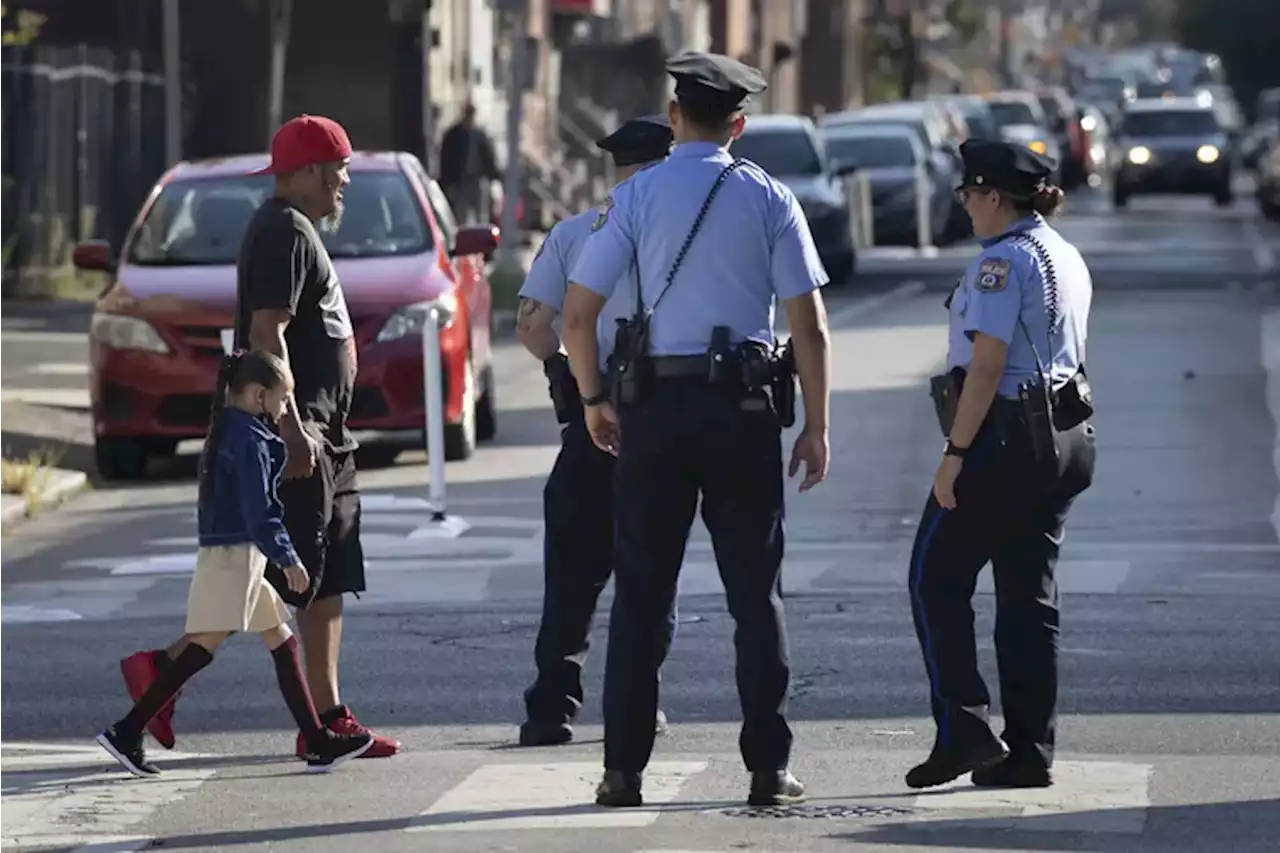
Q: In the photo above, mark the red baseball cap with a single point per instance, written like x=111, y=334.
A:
x=305, y=141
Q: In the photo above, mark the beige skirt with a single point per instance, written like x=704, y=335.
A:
x=230, y=592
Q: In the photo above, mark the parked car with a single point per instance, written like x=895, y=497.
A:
x=980, y=122
x=1064, y=123
x=156, y=336
x=1172, y=146
x=928, y=121
x=788, y=148
x=1269, y=185
x=1021, y=119
x=891, y=158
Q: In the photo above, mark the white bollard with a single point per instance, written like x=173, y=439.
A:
x=924, y=218
x=866, y=210
x=433, y=393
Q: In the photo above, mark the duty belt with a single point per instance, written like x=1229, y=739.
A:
x=679, y=366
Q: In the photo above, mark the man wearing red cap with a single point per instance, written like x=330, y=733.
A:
x=289, y=300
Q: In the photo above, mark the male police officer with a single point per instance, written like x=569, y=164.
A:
x=1019, y=450
x=716, y=242
x=578, y=498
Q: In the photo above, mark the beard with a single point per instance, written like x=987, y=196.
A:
x=331, y=223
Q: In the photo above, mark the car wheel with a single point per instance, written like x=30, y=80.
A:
x=486, y=411
x=121, y=458
x=1271, y=211
x=460, y=438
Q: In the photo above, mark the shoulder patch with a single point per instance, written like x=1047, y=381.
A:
x=603, y=215
x=993, y=275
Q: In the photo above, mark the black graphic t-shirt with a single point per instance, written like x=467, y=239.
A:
x=283, y=265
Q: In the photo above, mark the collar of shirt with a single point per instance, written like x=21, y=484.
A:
x=1026, y=223
x=243, y=420
x=697, y=149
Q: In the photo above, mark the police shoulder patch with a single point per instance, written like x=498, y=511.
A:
x=602, y=216
x=993, y=275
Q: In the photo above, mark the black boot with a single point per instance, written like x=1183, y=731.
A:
x=775, y=788
x=619, y=789
x=539, y=733
x=947, y=763
x=1013, y=772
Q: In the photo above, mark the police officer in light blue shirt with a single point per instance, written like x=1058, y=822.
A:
x=717, y=243
x=1015, y=409
x=578, y=498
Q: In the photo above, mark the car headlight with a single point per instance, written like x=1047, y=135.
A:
x=1207, y=154
x=1038, y=146
x=410, y=319
x=1088, y=123
x=1140, y=155
x=121, y=332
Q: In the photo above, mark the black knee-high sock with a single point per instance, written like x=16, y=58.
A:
x=293, y=686
x=168, y=682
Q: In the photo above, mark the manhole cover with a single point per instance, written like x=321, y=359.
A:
x=853, y=812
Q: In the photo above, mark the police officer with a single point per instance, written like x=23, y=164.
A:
x=578, y=497
x=717, y=243
x=1015, y=409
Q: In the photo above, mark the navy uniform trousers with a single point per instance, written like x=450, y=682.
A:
x=686, y=439
x=578, y=558
x=1007, y=516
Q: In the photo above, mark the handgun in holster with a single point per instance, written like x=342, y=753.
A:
x=722, y=361
x=630, y=367
x=783, y=385
x=944, y=390
x=565, y=398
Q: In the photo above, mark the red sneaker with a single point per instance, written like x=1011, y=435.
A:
x=347, y=724
x=139, y=670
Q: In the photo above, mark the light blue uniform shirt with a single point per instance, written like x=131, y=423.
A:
x=1007, y=282
x=548, y=277
x=753, y=249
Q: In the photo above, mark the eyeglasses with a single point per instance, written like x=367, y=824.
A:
x=963, y=193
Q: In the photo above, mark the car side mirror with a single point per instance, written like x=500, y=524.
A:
x=94, y=256
x=476, y=240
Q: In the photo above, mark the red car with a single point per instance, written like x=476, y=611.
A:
x=156, y=335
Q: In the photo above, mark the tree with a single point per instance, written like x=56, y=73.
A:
x=28, y=25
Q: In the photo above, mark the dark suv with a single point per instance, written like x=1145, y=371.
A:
x=1174, y=146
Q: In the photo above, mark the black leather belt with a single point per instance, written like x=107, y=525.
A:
x=679, y=366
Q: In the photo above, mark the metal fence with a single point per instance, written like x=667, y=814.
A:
x=83, y=142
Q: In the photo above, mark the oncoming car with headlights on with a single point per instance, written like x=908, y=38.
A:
x=1172, y=146
x=160, y=327
x=789, y=148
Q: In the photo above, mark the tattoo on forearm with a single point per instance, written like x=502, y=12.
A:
x=526, y=312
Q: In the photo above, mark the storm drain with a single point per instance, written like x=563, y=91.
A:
x=851, y=812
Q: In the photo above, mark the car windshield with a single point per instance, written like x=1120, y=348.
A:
x=1171, y=123
x=779, y=152
x=200, y=221
x=1013, y=112
x=1111, y=87
x=871, y=152
x=980, y=122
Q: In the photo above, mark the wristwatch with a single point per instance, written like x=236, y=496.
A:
x=602, y=397
x=954, y=450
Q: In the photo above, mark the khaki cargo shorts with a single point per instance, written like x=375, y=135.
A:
x=230, y=593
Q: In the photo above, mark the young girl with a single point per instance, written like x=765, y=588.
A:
x=241, y=529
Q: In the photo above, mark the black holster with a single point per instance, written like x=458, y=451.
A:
x=945, y=391
x=1073, y=402
x=630, y=368
x=783, y=387
x=565, y=398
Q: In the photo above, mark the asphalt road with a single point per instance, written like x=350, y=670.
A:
x=1170, y=729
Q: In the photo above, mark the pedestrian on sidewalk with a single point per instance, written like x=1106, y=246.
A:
x=241, y=524
x=578, y=498
x=467, y=168
x=289, y=300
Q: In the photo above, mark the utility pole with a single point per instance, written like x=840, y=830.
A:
x=172, y=83
x=519, y=77
x=281, y=16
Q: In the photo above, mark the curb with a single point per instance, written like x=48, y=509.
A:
x=61, y=486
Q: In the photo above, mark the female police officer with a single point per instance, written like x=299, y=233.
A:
x=1014, y=407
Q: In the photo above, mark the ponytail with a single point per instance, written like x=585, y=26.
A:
x=1048, y=200
x=209, y=454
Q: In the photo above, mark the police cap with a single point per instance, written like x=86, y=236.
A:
x=1007, y=166
x=640, y=140
x=714, y=81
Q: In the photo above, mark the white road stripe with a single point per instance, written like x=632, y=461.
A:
x=554, y=795
x=848, y=312
x=56, y=796
x=59, y=369
x=1086, y=796
x=65, y=398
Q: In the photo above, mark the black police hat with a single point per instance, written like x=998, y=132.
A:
x=1007, y=166
x=640, y=140
x=714, y=81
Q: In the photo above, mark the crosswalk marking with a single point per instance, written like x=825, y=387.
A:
x=555, y=795
x=56, y=796
x=1086, y=796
